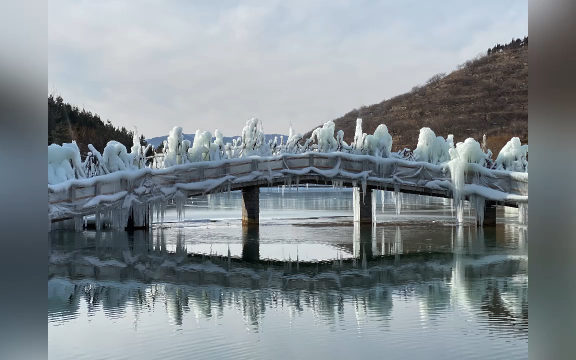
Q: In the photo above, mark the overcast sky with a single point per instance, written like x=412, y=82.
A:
x=215, y=64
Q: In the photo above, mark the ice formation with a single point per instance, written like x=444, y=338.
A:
x=463, y=154
x=253, y=139
x=433, y=155
x=379, y=144
x=374, y=200
x=356, y=203
x=397, y=199
x=64, y=163
x=358, y=138
x=479, y=204
x=513, y=156
x=200, y=149
x=174, y=149
x=523, y=213
x=431, y=148
x=324, y=136
x=115, y=157
x=137, y=151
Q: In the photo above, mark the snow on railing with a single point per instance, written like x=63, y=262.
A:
x=64, y=162
x=461, y=160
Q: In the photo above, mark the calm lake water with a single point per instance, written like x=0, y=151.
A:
x=307, y=284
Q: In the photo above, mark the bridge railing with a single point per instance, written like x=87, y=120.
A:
x=417, y=173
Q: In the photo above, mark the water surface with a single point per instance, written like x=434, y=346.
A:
x=306, y=284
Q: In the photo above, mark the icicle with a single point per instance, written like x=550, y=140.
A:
x=398, y=241
x=78, y=222
x=397, y=198
x=374, y=241
x=373, y=206
x=382, y=199
x=283, y=186
x=118, y=218
x=158, y=209
x=139, y=214
x=162, y=210
x=363, y=188
x=479, y=204
x=383, y=243
x=356, y=203
x=98, y=219
x=180, y=201
x=523, y=213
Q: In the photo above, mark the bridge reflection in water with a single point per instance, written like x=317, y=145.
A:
x=250, y=243
x=119, y=272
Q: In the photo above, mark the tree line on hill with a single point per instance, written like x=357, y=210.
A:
x=514, y=44
x=67, y=122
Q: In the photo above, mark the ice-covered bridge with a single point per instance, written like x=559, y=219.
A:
x=123, y=187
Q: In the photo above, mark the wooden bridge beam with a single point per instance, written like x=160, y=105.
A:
x=251, y=206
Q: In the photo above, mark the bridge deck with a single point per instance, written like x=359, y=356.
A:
x=136, y=188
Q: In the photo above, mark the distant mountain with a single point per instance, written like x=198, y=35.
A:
x=156, y=141
x=486, y=95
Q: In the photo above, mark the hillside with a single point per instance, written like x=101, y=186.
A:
x=67, y=122
x=487, y=95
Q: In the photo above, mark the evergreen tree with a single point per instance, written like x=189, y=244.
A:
x=67, y=122
x=61, y=134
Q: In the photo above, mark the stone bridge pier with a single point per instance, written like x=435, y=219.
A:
x=489, y=215
x=251, y=206
x=364, y=202
x=250, y=244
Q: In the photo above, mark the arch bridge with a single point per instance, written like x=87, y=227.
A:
x=129, y=196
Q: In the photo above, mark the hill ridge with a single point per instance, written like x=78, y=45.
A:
x=485, y=95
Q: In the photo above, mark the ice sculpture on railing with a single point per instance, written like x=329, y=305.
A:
x=200, y=150
x=379, y=144
x=217, y=149
x=513, y=156
x=324, y=137
x=254, y=140
x=116, y=158
x=463, y=154
x=431, y=148
x=292, y=144
x=174, y=153
x=359, y=136
x=138, y=151
x=65, y=161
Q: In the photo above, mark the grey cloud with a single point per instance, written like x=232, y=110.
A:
x=204, y=66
